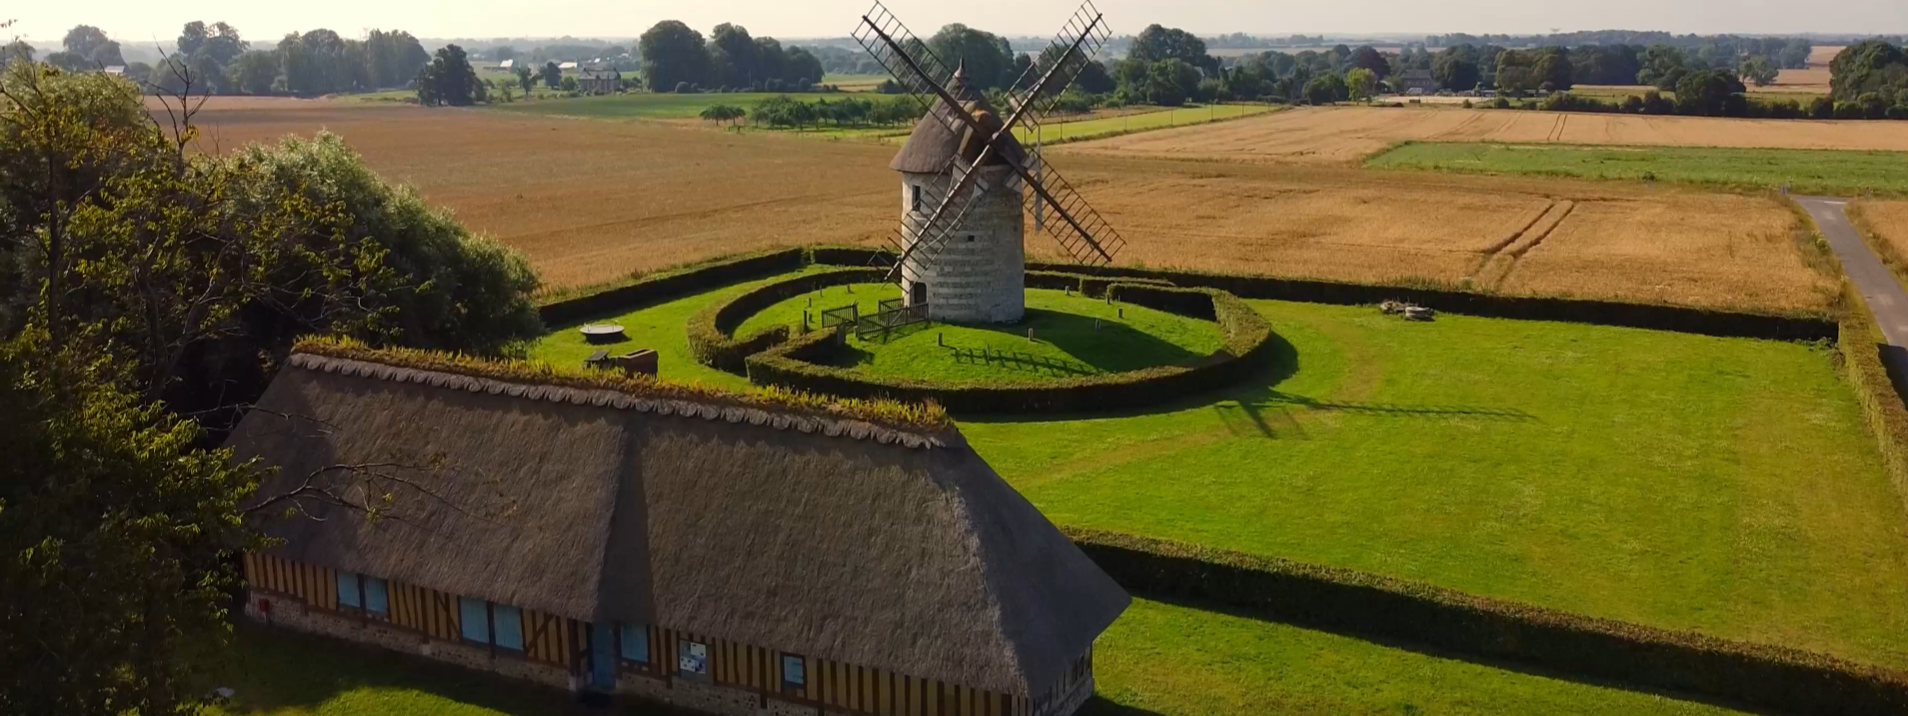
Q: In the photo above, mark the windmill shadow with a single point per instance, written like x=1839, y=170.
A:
x=1103, y=345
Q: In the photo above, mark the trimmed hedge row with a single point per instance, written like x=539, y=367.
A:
x=1866, y=360
x=1250, y=346
x=672, y=284
x=712, y=338
x=1613, y=313
x=1373, y=606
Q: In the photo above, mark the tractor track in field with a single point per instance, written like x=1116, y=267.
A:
x=1498, y=265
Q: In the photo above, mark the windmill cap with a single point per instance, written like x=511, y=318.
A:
x=941, y=133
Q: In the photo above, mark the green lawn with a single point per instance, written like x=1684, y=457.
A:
x=1173, y=660
x=1067, y=340
x=281, y=673
x=1807, y=170
x=1688, y=482
x=1158, y=659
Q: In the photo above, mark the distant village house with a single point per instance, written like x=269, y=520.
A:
x=599, y=80
x=1417, y=82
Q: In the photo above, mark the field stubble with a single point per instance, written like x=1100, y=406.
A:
x=1343, y=135
x=594, y=201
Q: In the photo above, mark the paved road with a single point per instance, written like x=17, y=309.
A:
x=1884, y=294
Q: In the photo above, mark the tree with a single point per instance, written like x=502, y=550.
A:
x=568, y=84
x=1758, y=70
x=1369, y=59
x=1517, y=71
x=448, y=79
x=800, y=68
x=552, y=75
x=1157, y=43
x=17, y=50
x=723, y=113
x=1663, y=66
x=114, y=536
x=525, y=79
x=92, y=48
x=503, y=53
x=254, y=72
x=735, y=56
x=1093, y=79
x=1360, y=83
x=1170, y=81
x=1553, y=69
x=1456, y=69
x=1326, y=89
x=1865, y=67
x=988, y=58
x=672, y=54
x=1706, y=92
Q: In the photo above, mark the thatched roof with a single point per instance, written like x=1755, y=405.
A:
x=941, y=133
x=838, y=541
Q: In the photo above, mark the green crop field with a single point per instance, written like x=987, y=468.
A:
x=1162, y=659
x=1820, y=171
x=1723, y=485
x=1072, y=335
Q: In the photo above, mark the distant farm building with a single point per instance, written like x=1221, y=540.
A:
x=599, y=80
x=119, y=70
x=566, y=66
x=723, y=556
x=506, y=64
x=1419, y=80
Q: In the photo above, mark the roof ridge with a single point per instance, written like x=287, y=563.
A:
x=828, y=426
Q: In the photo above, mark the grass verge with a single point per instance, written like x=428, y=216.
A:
x=1815, y=171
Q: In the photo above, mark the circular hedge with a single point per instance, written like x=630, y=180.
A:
x=772, y=357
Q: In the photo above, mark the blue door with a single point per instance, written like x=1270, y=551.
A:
x=602, y=657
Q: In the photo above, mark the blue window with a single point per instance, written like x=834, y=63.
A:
x=794, y=675
x=635, y=642
x=348, y=590
x=509, y=626
x=377, y=598
x=475, y=615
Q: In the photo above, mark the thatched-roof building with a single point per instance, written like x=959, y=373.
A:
x=729, y=558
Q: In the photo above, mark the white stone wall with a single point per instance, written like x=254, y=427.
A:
x=978, y=276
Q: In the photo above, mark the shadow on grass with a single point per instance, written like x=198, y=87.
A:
x=1255, y=407
x=1107, y=346
x=275, y=670
x=1100, y=706
x=1351, y=632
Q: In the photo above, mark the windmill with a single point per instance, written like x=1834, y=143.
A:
x=966, y=180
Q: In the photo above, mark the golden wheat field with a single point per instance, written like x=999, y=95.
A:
x=1344, y=135
x=590, y=201
x=1887, y=220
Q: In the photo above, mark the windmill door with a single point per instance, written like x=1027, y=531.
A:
x=917, y=294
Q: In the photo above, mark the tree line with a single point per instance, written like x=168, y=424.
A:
x=677, y=58
x=148, y=291
x=219, y=60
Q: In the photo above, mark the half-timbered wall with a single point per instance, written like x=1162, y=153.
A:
x=561, y=641
x=547, y=638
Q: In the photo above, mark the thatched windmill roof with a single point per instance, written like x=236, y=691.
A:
x=933, y=142
x=809, y=535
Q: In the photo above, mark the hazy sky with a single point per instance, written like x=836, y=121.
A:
x=144, y=20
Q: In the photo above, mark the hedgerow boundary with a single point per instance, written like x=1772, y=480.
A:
x=712, y=337
x=799, y=364
x=1860, y=347
x=1680, y=319
x=1378, y=607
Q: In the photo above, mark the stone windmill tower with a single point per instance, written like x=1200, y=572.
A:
x=980, y=271
x=966, y=181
